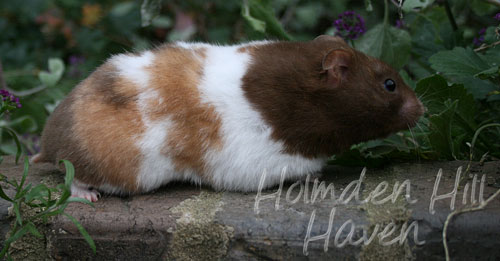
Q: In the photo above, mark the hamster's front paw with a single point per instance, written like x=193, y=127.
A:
x=79, y=190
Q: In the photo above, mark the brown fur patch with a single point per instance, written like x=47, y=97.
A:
x=57, y=140
x=112, y=88
x=106, y=125
x=196, y=126
x=286, y=83
x=246, y=49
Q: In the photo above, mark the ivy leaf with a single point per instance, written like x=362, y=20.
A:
x=56, y=69
x=387, y=43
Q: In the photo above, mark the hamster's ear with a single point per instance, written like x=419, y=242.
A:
x=325, y=37
x=337, y=63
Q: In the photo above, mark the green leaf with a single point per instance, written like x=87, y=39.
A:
x=458, y=62
x=368, y=5
x=410, y=5
x=13, y=134
x=80, y=200
x=407, y=79
x=13, y=238
x=255, y=23
x=122, y=9
x=434, y=92
x=64, y=197
x=82, y=230
x=19, y=219
x=24, y=123
x=488, y=73
x=25, y=172
x=24, y=191
x=68, y=179
x=306, y=15
x=56, y=66
x=482, y=8
x=162, y=22
x=401, y=44
x=37, y=192
x=3, y=195
x=460, y=66
x=32, y=229
x=440, y=137
x=70, y=172
x=56, y=69
x=149, y=10
x=260, y=16
x=387, y=43
x=492, y=55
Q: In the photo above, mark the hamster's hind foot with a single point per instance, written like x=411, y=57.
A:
x=80, y=190
x=38, y=158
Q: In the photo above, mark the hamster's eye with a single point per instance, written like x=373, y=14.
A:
x=390, y=85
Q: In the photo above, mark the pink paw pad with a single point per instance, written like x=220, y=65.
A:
x=82, y=191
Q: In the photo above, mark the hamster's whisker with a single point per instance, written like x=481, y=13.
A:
x=415, y=143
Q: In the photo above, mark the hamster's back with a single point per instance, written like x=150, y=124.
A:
x=174, y=113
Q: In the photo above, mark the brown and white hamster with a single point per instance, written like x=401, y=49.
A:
x=223, y=115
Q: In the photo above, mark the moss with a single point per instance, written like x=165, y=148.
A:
x=197, y=237
x=397, y=212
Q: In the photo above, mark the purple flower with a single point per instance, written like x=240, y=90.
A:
x=10, y=99
x=76, y=59
x=400, y=23
x=477, y=41
x=349, y=25
x=497, y=17
x=74, y=63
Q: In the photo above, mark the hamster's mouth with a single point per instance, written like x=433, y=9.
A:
x=411, y=113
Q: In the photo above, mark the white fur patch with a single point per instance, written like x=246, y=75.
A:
x=133, y=67
x=248, y=149
x=156, y=169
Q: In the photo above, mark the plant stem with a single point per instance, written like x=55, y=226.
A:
x=386, y=12
x=3, y=84
x=493, y=2
x=450, y=15
x=457, y=212
x=484, y=47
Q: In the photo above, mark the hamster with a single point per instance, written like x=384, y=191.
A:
x=223, y=115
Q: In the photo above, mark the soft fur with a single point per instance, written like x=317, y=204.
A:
x=222, y=115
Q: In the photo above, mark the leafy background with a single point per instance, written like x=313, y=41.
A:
x=446, y=50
